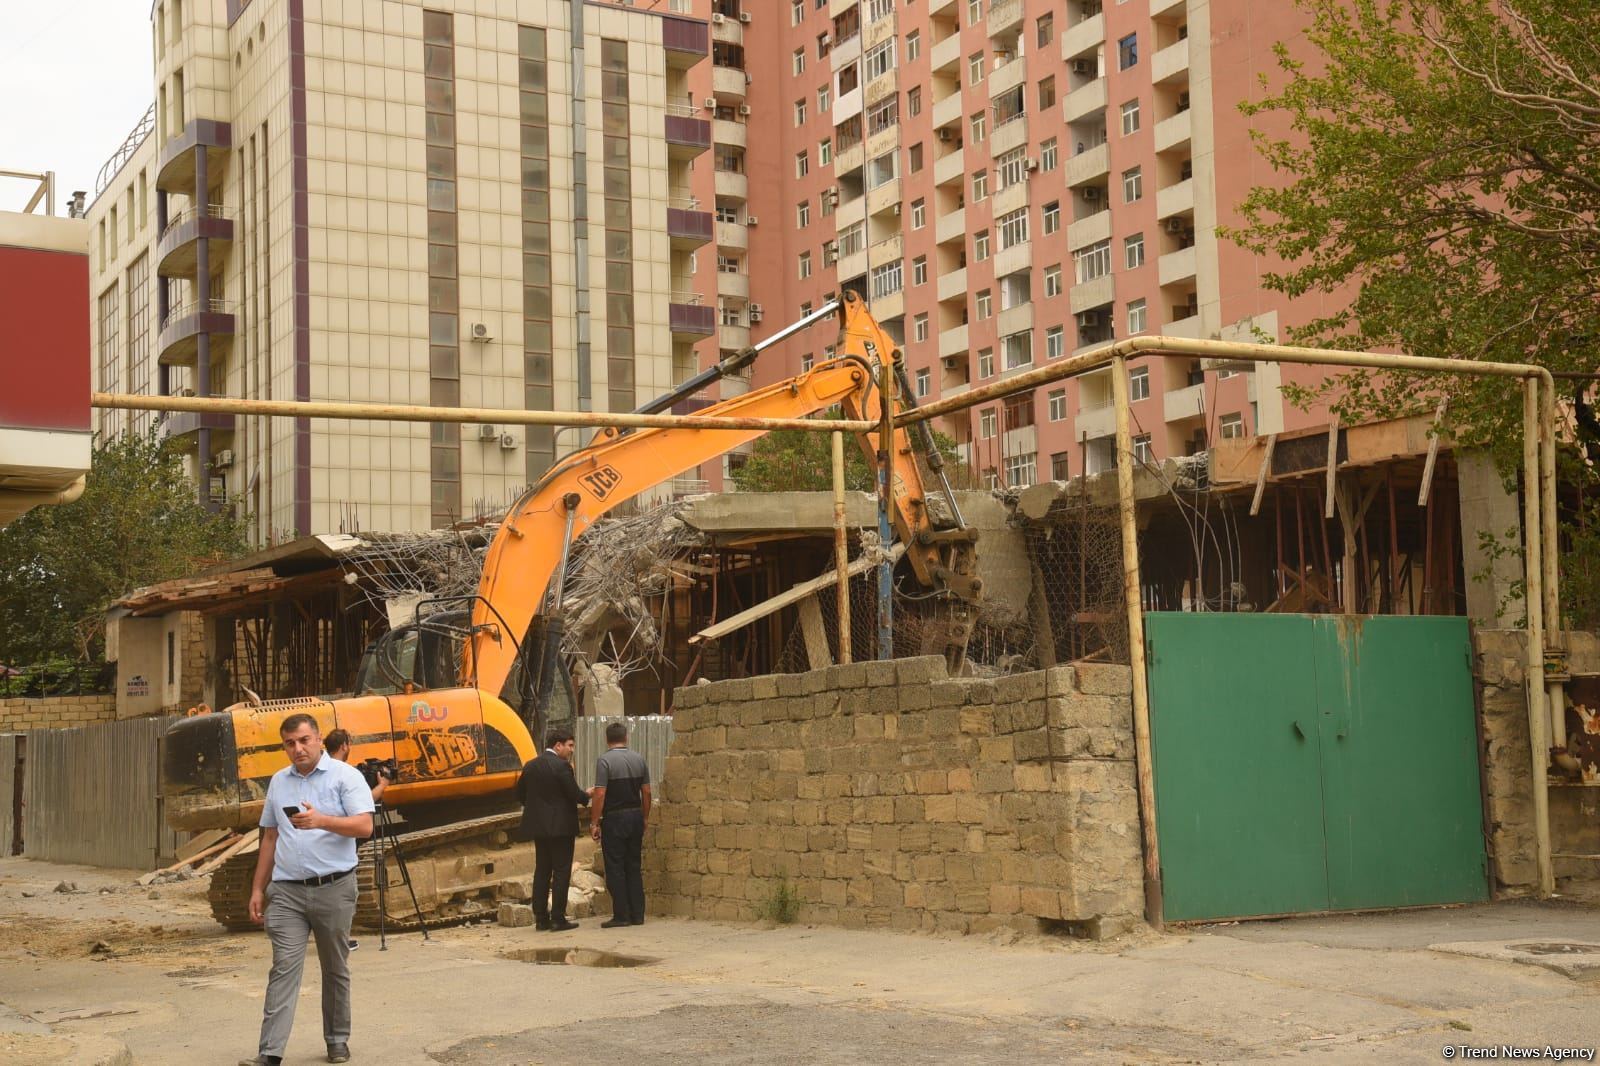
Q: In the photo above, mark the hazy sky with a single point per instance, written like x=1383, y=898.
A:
x=75, y=77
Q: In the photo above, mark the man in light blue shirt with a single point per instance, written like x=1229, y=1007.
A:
x=315, y=810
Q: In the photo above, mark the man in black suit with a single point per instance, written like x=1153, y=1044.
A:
x=550, y=801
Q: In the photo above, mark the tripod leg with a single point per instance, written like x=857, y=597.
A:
x=405, y=877
x=381, y=875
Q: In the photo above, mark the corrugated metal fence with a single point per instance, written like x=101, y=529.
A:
x=91, y=795
x=11, y=744
x=648, y=734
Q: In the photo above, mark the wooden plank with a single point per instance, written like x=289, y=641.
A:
x=815, y=634
x=201, y=842
x=1261, y=476
x=1433, y=455
x=785, y=599
x=1333, y=465
x=248, y=842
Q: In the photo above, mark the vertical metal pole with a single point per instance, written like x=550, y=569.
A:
x=1136, y=665
x=1555, y=695
x=841, y=545
x=1538, y=716
x=885, y=485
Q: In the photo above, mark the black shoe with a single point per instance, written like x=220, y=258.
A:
x=637, y=921
x=338, y=1052
x=542, y=924
x=614, y=923
x=562, y=925
x=261, y=1060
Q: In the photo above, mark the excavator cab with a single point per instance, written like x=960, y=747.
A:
x=420, y=655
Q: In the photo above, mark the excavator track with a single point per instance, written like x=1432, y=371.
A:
x=457, y=870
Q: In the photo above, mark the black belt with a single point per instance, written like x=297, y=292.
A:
x=610, y=809
x=325, y=879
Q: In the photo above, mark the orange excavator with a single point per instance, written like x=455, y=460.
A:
x=459, y=698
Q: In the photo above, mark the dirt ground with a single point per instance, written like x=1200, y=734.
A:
x=112, y=973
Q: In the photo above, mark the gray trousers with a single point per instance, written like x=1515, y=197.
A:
x=293, y=914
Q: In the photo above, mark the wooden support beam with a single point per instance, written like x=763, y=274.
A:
x=794, y=595
x=1261, y=476
x=1333, y=465
x=1433, y=455
x=815, y=634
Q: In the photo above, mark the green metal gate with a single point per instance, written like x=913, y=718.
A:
x=1313, y=763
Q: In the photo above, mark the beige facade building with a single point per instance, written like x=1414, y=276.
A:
x=453, y=202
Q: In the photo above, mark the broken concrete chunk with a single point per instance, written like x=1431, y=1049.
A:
x=66, y=887
x=515, y=915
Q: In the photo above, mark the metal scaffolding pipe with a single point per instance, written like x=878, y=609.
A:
x=1538, y=714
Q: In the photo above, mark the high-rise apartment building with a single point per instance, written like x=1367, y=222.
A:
x=1008, y=182
x=443, y=202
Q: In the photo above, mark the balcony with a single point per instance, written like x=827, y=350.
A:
x=1014, y=134
x=1015, y=319
x=1088, y=167
x=733, y=235
x=1092, y=294
x=1170, y=63
x=1084, y=39
x=845, y=53
x=1097, y=421
x=1175, y=199
x=1087, y=231
x=853, y=265
x=736, y=338
x=950, y=168
x=1176, y=266
x=178, y=250
x=936, y=6
x=1003, y=15
x=685, y=40
x=687, y=137
x=1010, y=260
x=953, y=285
x=727, y=30
x=847, y=107
x=1189, y=402
x=182, y=424
x=1183, y=327
x=884, y=197
x=1007, y=76
x=1172, y=134
x=883, y=142
x=688, y=228
x=176, y=163
x=1168, y=10
x=946, y=54
x=734, y=285
x=731, y=185
x=730, y=84
x=952, y=342
x=952, y=227
x=688, y=319
x=847, y=160
x=886, y=250
x=889, y=306
x=1084, y=101
x=1011, y=198
x=732, y=134
x=947, y=112
x=178, y=343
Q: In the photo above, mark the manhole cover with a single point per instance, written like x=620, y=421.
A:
x=578, y=957
x=1558, y=949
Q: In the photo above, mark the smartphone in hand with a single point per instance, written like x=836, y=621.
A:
x=291, y=811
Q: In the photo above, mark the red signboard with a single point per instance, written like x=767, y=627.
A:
x=44, y=339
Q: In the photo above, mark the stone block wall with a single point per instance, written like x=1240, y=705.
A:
x=1499, y=656
x=55, y=712
x=890, y=795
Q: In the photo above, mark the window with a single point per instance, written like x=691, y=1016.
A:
x=914, y=158
x=974, y=12
x=879, y=9
x=729, y=160
x=1017, y=349
x=799, y=112
x=824, y=44
x=985, y=305
x=825, y=151
x=883, y=169
x=878, y=61
x=883, y=116
x=1232, y=426
x=802, y=164
x=1011, y=168
x=988, y=423
x=978, y=125
x=729, y=315
x=799, y=61
x=797, y=12
x=1133, y=251
x=1139, y=383
x=807, y=361
x=913, y=45
x=802, y=214
x=1013, y=228
x=1060, y=467
x=1127, y=51
x=1050, y=215
x=1055, y=342
x=727, y=212
x=1008, y=105
x=1049, y=155
x=1130, y=117
x=1016, y=289
x=823, y=95
x=1132, y=185
x=1137, y=320
x=887, y=280
x=852, y=239
x=728, y=264
x=980, y=186
x=1092, y=262
x=919, y=214
x=1057, y=405
x=805, y=265
x=1046, y=27
x=924, y=381
x=1047, y=93
x=1021, y=470
x=1052, y=280
x=986, y=365
x=1142, y=452
x=919, y=328
x=914, y=101
x=980, y=245
x=975, y=68
x=919, y=270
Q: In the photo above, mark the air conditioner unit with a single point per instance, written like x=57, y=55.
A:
x=826, y=40
x=945, y=133
x=1032, y=164
x=751, y=220
x=744, y=109
x=480, y=332
x=1088, y=319
x=744, y=17
x=1082, y=66
x=710, y=103
x=1183, y=101
x=223, y=458
x=508, y=442
x=1174, y=225
x=717, y=18
x=897, y=208
x=952, y=362
x=1091, y=193
x=488, y=433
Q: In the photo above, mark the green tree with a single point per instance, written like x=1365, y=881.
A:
x=1444, y=167
x=793, y=460
x=137, y=522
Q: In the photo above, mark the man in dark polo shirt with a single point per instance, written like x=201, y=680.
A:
x=621, y=808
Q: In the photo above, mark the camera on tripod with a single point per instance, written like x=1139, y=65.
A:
x=374, y=769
